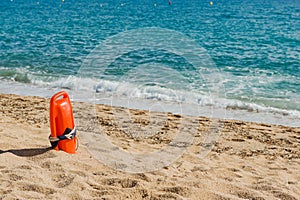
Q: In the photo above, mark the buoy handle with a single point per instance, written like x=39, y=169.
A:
x=60, y=95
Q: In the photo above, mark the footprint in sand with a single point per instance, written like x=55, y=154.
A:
x=244, y=194
x=124, y=183
x=62, y=180
x=273, y=191
x=182, y=191
x=36, y=188
x=15, y=177
x=26, y=167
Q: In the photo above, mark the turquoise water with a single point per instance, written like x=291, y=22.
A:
x=248, y=52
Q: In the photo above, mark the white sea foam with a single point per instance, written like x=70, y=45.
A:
x=156, y=98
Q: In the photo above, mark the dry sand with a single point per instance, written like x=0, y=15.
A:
x=247, y=160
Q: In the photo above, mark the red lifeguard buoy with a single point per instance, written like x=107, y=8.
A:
x=63, y=131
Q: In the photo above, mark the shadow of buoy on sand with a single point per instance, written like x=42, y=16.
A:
x=27, y=152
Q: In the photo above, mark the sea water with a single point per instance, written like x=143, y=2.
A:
x=230, y=59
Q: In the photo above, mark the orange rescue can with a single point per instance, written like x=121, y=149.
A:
x=61, y=118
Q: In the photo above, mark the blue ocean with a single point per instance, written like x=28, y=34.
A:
x=225, y=59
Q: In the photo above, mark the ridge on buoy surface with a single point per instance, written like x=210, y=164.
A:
x=63, y=131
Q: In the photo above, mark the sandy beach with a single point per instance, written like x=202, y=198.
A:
x=246, y=160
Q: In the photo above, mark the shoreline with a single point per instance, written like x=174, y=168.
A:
x=229, y=113
x=246, y=160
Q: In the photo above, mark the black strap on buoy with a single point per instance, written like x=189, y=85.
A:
x=69, y=134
